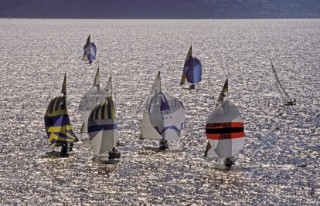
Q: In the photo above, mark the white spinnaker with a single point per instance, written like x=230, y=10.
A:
x=226, y=112
x=147, y=130
x=167, y=115
x=90, y=100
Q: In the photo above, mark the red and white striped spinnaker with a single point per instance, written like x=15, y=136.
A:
x=224, y=129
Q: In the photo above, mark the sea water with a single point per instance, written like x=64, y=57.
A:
x=278, y=165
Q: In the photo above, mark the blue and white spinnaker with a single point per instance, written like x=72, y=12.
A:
x=192, y=71
x=167, y=115
x=89, y=51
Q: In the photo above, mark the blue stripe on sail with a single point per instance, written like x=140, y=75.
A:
x=193, y=70
x=61, y=120
x=97, y=128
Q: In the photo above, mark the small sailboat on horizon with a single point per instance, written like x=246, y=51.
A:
x=57, y=123
x=192, y=71
x=284, y=95
x=89, y=51
x=164, y=116
x=224, y=130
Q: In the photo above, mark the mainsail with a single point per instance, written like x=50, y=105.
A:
x=147, y=130
x=284, y=95
x=89, y=51
x=224, y=129
x=192, y=71
x=90, y=100
x=57, y=122
x=102, y=127
x=167, y=115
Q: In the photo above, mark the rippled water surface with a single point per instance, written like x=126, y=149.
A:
x=279, y=164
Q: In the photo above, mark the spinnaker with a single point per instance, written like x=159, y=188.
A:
x=57, y=122
x=192, y=71
x=224, y=129
x=89, y=51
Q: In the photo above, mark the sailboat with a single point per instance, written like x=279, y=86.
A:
x=284, y=95
x=192, y=71
x=224, y=130
x=89, y=51
x=147, y=130
x=57, y=122
x=90, y=99
x=166, y=116
x=102, y=129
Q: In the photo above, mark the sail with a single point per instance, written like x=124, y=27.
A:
x=192, y=71
x=225, y=131
x=167, y=115
x=224, y=128
x=108, y=88
x=223, y=92
x=89, y=51
x=57, y=122
x=284, y=95
x=83, y=129
x=147, y=130
x=102, y=127
x=91, y=99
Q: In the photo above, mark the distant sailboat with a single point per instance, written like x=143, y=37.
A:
x=89, y=51
x=284, y=95
x=225, y=130
x=167, y=116
x=57, y=122
x=90, y=100
x=102, y=128
x=192, y=71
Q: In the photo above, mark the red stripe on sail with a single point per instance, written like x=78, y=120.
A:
x=225, y=136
